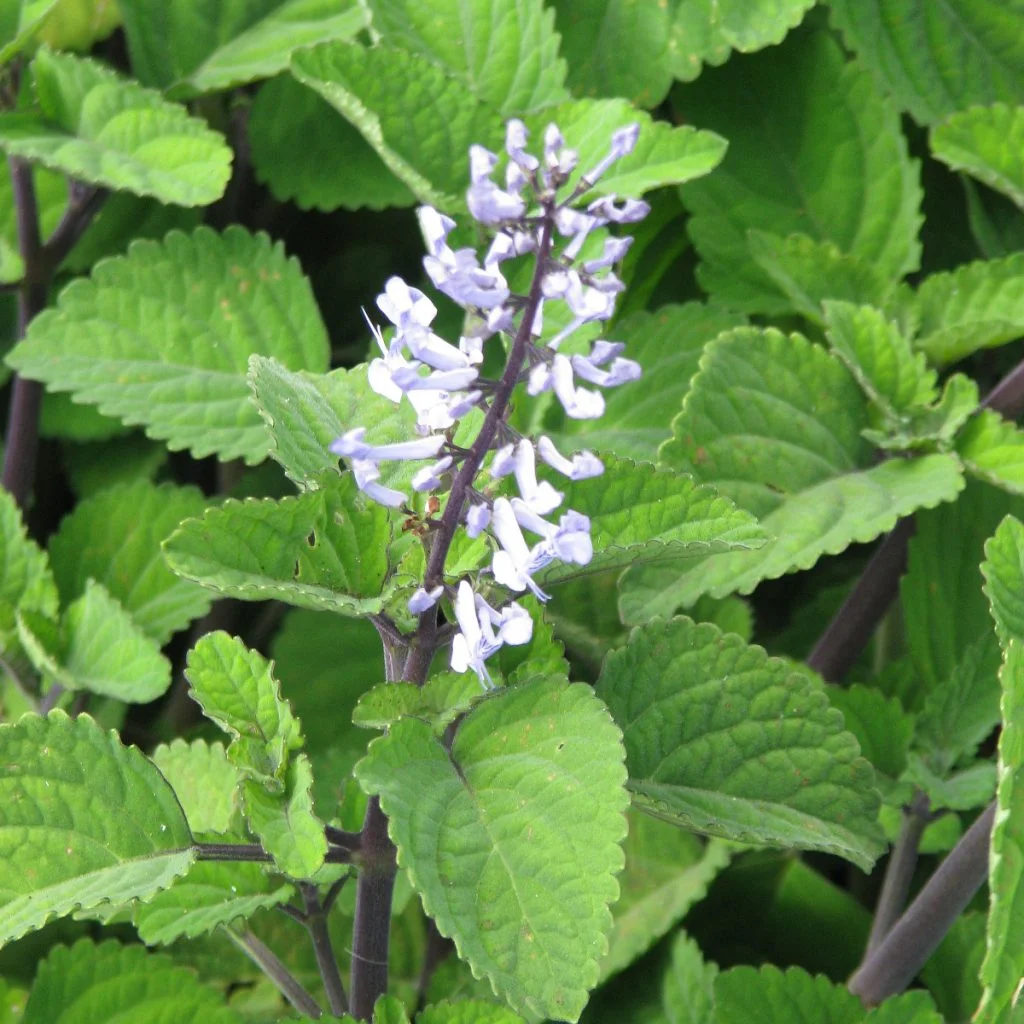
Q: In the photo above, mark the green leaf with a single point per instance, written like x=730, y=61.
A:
x=285, y=823
x=944, y=609
x=98, y=127
x=204, y=47
x=892, y=375
x=821, y=154
x=639, y=513
x=746, y=995
x=667, y=872
x=936, y=425
x=882, y=730
x=1003, y=570
x=936, y=59
x=92, y=468
x=688, y=989
x=992, y=449
x=26, y=583
x=985, y=142
x=808, y=272
x=467, y=1011
x=114, y=538
x=204, y=781
x=506, y=54
x=114, y=982
x=722, y=739
x=99, y=648
x=960, y=791
x=20, y=22
x=707, y=31
x=79, y=24
x=304, y=152
x=438, y=702
x=617, y=48
x=163, y=337
x=668, y=344
x=236, y=688
x=324, y=550
x=83, y=821
x=977, y=305
x=512, y=837
x=210, y=895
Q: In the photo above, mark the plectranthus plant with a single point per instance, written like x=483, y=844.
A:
x=534, y=217
x=511, y=511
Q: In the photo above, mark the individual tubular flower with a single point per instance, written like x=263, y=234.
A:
x=487, y=203
x=365, y=459
x=569, y=541
x=424, y=599
x=540, y=496
x=515, y=563
x=581, y=466
x=477, y=640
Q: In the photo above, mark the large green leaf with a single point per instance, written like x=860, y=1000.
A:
x=304, y=152
x=820, y=154
x=977, y=305
x=639, y=513
x=935, y=59
x=667, y=872
x=113, y=982
x=668, y=344
x=987, y=143
x=97, y=127
x=163, y=337
x=218, y=44
x=746, y=995
x=512, y=836
x=114, y=538
x=204, y=781
x=325, y=550
x=20, y=21
x=707, y=31
x=992, y=449
x=505, y=53
x=83, y=821
x=26, y=581
x=97, y=648
x=722, y=739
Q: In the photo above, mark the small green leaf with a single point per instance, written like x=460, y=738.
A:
x=667, y=872
x=79, y=24
x=977, y=305
x=1003, y=570
x=522, y=889
x=821, y=154
x=163, y=336
x=304, y=152
x=324, y=550
x=505, y=54
x=114, y=982
x=892, y=375
x=992, y=449
x=639, y=513
x=935, y=59
x=20, y=23
x=467, y=1011
x=964, y=790
x=668, y=345
x=722, y=739
x=236, y=688
x=210, y=895
x=114, y=538
x=100, y=128
x=99, y=648
x=688, y=989
x=987, y=143
x=83, y=821
x=882, y=730
x=205, y=782
x=285, y=823
x=26, y=583
x=207, y=46
x=439, y=701
x=932, y=426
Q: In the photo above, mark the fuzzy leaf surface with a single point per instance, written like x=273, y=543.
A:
x=98, y=127
x=440, y=700
x=84, y=821
x=114, y=538
x=163, y=337
x=688, y=988
x=112, y=982
x=324, y=550
x=26, y=580
x=204, y=781
x=722, y=739
x=936, y=59
x=821, y=154
x=512, y=838
x=992, y=449
x=1003, y=570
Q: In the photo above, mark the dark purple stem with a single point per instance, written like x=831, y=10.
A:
x=255, y=852
x=894, y=963
x=316, y=924
x=287, y=984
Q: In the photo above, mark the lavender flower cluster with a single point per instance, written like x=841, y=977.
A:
x=442, y=381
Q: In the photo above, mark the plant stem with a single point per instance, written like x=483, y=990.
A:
x=900, y=870
x=896, y=960
x=255, y=852
x=316, y=923
x=287, y=984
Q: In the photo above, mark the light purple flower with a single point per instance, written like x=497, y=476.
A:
x=424, y=599
x=582, y=466
x=352, y=445
x=540, y=496
x=429, y=478
x=568, y=542
x=513, y=566
x=476, y=640
x=477, y=518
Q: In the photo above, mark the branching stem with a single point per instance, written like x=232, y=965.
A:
x=287, y=984
x=316, y=924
